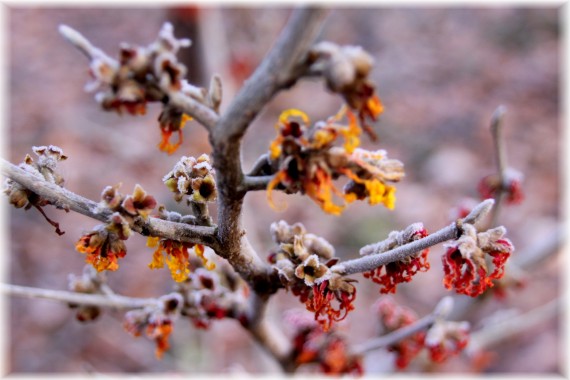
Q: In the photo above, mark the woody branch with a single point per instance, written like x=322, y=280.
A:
x=373, y=261
x=279, y=69
x=68, y=200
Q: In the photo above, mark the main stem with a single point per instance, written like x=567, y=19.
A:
x=279, y=69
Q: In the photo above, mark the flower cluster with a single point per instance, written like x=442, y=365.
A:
x=308, y=162
x=303, y=263
x=44, y=169
x=139, y=73
x=442, y=340
x=391, y=274
x=192, y=177
x=328, y=349
x=105, y=245
x=490, y=186
x=346, y=70
x=155, y=321
x=137, y=204
x=465, y=261
x=446, y=338
x=176, y=255
x=393, y=317
x=144, y=74
x=212, y=295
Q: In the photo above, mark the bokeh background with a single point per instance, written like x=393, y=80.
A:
x=440, y=72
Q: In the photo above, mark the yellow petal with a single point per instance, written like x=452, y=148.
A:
x=275, y=182
x=152, y=241
x=285, y=115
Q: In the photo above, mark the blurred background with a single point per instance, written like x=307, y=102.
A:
x=440, y=72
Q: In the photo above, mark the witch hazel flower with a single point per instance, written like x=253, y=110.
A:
x=104, y=245
x=394, y=317
x=490, y=186
x=394, y=273
x=346, y=70
x=308, y=162
x=207, y=297
x=156, y=322
x=145, y=74
x=446, y=338
x=194, y=178
x=138, y=204
x=303, y=262
x=330, y=350
x=465, y=263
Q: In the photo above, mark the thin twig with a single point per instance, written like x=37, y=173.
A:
x=81, y=43
x=441, y=311
x=63, y=198
x=277, y=71
x=261, y=162
x=510, y=327
x=256, y=183
x=501, y=159
x=111, y=300
x=203, y=114
x=395, y=336
x=370, y=262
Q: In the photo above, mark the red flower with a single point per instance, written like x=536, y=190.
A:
x=394, y=273
x=328, y=349
x=394, y=317
x=445, y=339
x=490, y=186
x=464, y=263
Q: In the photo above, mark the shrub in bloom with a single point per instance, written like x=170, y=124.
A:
x=394, y=273
x=465, y=261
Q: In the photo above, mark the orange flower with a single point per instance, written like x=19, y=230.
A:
x=209, y=265
x=176, y=257
x=104, y=246
x=171, y=120
x=160, y=331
